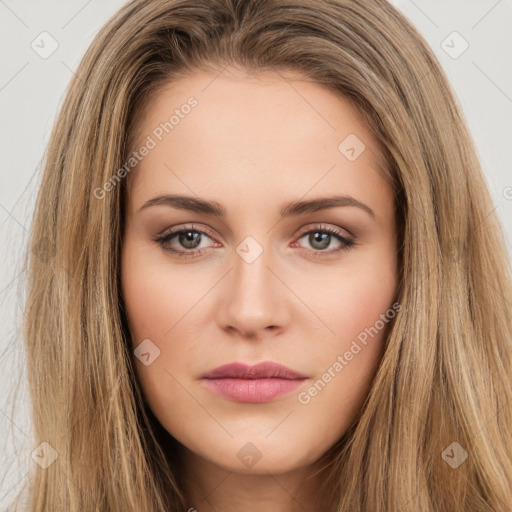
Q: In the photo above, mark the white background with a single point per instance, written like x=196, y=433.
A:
x=31, y=91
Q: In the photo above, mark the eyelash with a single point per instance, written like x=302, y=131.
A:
x=163, y=240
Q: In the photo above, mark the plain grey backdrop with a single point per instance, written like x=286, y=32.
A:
x=43, y=42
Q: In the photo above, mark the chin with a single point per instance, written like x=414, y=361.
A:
x=260, y=457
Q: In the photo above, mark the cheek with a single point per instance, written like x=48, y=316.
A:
x=358, y=309
x=350, y=298
x=365, y=294
x=159, y=304
x=156, y=297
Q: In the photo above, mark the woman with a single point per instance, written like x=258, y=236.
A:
x=273, y=278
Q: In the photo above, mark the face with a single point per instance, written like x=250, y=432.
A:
x=280, y=248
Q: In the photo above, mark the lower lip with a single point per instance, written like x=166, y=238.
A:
x=252, y=390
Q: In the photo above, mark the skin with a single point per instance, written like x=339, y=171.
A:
x=253, y=144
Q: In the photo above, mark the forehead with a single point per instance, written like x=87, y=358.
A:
x=278, y=128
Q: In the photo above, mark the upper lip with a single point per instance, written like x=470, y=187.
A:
x=267, y=369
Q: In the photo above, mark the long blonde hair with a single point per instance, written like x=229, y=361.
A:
x=445, y=376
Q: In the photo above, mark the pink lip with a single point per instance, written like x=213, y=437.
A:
x=259, y=383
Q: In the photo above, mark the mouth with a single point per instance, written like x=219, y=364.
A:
x=253, y=384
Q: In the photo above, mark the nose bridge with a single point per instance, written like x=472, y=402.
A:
x=252, y=278
x=253, y=300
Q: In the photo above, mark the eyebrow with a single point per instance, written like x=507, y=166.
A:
x=295, y=208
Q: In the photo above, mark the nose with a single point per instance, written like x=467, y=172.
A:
x=254, y=302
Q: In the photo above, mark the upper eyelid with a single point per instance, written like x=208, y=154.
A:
x=323, y=226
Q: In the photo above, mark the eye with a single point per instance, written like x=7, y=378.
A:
x=321, y=237
x=187, y=238
x=188, y=241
